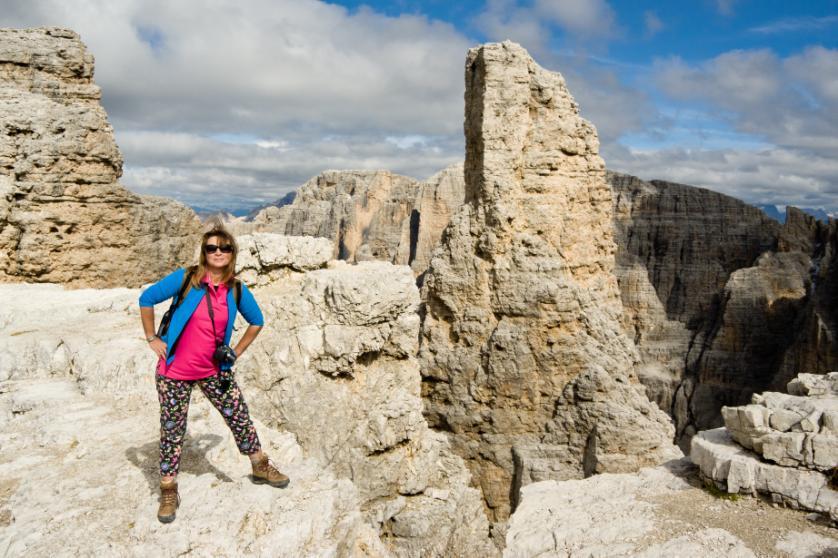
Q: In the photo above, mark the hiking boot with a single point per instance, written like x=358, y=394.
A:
x=265, y=472
x=169, y=501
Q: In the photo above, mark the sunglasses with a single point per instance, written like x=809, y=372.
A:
x=211, y=248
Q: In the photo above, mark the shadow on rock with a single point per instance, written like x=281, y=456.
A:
x=193, y=459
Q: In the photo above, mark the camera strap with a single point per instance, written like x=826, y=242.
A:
x=212, y=317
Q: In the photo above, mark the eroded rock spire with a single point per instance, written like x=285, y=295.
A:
x=525, y=362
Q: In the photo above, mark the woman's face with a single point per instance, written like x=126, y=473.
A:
x=218, y=259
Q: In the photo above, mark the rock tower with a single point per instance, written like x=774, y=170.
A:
x=525, y=362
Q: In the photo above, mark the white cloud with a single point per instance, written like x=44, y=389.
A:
x=652, y=23
x=795, y=24
x=298, y=77
x=260, y=67
x=725, y=7
x=774, y=176
x=792, y=102
x=789, y=104
x=245, y=101
x=581, y=17
x=533, y=25
x=505, y=19
x=209, y=172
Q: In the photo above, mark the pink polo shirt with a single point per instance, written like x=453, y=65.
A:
x=193, y=357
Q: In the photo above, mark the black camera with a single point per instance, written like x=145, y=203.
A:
x=224, y=355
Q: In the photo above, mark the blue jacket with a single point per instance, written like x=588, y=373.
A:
x=168, y=287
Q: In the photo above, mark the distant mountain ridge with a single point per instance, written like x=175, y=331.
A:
x=780, y=215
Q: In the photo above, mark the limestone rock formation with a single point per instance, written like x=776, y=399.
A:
x=522, y=309
x=657, y=512
x=361, y=211
x=814, y=346
x=266, y=258
x=791, y=430
x=721, y=300
x=740, y=354
x=438, y=198
x=370, y=214
x=690, y=240
x=782, y=445
x=64, y=218
x=335, y=367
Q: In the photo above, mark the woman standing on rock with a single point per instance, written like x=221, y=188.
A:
x=207, y=297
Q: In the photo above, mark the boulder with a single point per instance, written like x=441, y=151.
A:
x=735, y=469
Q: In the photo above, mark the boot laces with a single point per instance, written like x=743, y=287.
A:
x=170, y=496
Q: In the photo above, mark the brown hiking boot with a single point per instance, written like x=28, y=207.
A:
x=265, y=472
x=169, y=501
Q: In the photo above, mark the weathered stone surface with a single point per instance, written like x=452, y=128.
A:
x=814, y=385
x=798, y=544
x=656, y=512
x=265, y=258
x=689, y=239
x=601, y=514
x=736, y=469
x=740, y=353
x=335, y=366
x=64, y=218
x=371, y=214
x=791, y=430
x=521, y=299
x=677, y=246
x=79, y=478
x=661, y=342
x=814, y=347
x=438, y=198
x=346, y=206
x=743, y=303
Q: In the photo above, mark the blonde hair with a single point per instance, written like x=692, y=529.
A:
x=229, y=275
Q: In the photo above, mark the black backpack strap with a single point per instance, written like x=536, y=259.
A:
x=186, y=278
x=237, y=292
x=163, y=328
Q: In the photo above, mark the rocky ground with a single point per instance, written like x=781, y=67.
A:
x=661, y=511
x=78, y=468
x=79, y=478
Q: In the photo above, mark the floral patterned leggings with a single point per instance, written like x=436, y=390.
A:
x=174, y=405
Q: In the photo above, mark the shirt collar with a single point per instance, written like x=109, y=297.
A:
x=208, y=281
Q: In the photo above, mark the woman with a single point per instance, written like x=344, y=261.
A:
x=202, y=321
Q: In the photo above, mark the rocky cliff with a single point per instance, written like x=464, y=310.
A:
x=64, y=218
x=721, y=300
x=524, y=359
x=371, y=214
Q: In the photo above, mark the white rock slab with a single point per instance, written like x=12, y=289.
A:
x=739, y=470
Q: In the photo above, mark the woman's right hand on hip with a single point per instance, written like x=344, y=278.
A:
x=158, y=346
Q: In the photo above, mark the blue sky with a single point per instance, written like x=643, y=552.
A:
x=694, y=30
x=234, y=104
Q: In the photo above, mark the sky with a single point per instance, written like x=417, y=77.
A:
x=229, y=104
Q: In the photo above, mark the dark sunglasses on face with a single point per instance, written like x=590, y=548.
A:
x=226, y=248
